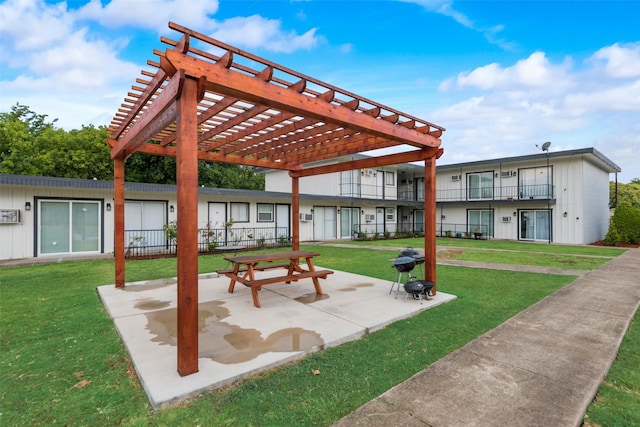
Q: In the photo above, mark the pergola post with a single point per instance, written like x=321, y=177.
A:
x=187, y=240
x=430, y=221
x=118, y=220
x=295, y=211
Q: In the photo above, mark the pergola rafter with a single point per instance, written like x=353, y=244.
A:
x=206, y=100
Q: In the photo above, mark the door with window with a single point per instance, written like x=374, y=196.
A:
x=535, y=183
x=418, y=220
x=144, y=222
x=349, y=222
x=324, y=222
x=480, y=221
x=535, y=225
x=69, y=226
x=283, y=219
x=480, y=186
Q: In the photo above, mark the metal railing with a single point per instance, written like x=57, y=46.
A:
x=510, y=192
x=149, y=243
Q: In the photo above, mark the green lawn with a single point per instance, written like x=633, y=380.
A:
x=62, y=362
x=495, y=245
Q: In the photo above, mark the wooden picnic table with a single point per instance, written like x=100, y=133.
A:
x=245, y=268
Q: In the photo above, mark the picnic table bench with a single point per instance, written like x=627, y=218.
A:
x=245, y=267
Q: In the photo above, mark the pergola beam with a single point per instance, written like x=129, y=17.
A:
x=232, y=83
x=371, y=162
x=158, y=116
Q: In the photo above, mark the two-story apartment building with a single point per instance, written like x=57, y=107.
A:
x=558, y=197
x=562, y=197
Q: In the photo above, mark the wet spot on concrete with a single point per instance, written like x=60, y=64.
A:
x=151, y=304
x=226, y=343
x=355, y=287
x=311, y=298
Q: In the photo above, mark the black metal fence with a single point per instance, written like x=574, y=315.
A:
x=150, y=243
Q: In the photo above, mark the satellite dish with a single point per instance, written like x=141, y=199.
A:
x=545, y=146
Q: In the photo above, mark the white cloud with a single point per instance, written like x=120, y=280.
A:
x=258, y=32
x=501, y=110
x=150, y=15
x=445, y=8
x=31, y=24
x=619, y=61
x=533, y=72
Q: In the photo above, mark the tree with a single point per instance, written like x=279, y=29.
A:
x=626, y=193
x=30, y=145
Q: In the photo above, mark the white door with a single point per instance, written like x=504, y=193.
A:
x=144, y=223
x=282, y=221
x=218, y=218
x=324, y=222
x=380, y=219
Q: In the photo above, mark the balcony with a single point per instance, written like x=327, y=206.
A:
x=512, y=192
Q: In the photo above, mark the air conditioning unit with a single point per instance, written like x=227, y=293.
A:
x=456, y=177
x=369, y=217
x=506, y=219
x=306, y=217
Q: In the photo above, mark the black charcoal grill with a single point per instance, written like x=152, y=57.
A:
x=418, y=288
x=404, y=264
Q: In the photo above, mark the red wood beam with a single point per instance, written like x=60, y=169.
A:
x=159, y=150
x=430, y=219
x=160, y=114
x=147, y=94
x=118, y=221
x=295, y=208
x=372, y=162
x=254, y=89
x=187, y=202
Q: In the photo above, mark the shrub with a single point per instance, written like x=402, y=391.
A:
x=613, y=237
x=626, y=221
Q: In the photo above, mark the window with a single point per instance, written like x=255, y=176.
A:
x=480, y=221
x=350, y=183
x=480, y=186
x=265, y=212
x=536, y=183
x=69, y=226
x=240, y=212
x=349, y=221
x=390, y=178
x=390, y=214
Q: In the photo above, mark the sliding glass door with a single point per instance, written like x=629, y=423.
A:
x=534, y=225
x=68, y=226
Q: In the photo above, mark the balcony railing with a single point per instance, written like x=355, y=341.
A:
x=512, y=192
x=148, y=243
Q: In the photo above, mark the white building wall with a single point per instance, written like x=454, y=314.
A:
x=17, y=239
x=595, y=197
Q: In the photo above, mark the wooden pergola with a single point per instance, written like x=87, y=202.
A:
x=206, y=100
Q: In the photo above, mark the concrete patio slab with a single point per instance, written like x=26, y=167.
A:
x=238, y=340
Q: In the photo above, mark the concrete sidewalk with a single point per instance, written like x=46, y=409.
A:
x=542, y=367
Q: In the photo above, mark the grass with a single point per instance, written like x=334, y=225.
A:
x=579, y=262
x=62, y=362
x=618, y=400
x=495, y=245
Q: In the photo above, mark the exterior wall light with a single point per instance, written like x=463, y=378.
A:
x=172, y=209
x=27, y=206
x=108, y=206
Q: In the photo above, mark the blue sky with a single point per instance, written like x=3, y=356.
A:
x=501, y=76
